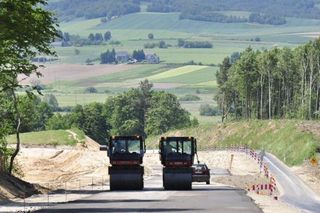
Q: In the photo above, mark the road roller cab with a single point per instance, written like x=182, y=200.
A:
x=126, y=157
x=177, y=156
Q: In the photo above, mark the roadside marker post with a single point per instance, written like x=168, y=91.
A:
x=231, y=160
x=65, y=191
x=92, y=184
x=48, y=194
x=24, y=202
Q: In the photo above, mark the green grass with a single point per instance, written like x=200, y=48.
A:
x=188, y=75
x=137, y=73
x=176, y=72
x=51, y=137
x=80, y=134
x=281, y=137
x=185, y=80
x=132, y=30
x=78, y=98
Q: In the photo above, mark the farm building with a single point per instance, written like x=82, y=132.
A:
x=122, y=57
x=152, y=58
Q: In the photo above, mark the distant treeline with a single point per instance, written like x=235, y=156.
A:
x=211, y=16
x=266, y=19
x=286, y=8
x=194, y=44
x=75, y=40
x=221, y=18
x=71, y=9
x=203, y=10
x=276, y=83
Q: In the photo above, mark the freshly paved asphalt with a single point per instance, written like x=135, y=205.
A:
x=203, y=198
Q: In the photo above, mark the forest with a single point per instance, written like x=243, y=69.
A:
x=71, y=9
x=275, y=83
x=282, y=8
x=203, y=10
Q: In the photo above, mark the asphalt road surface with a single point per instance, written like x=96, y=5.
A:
x=203, y=198
x=294, y=191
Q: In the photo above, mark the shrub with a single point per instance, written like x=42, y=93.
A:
x=207, y=110
x=114, y=42
x=91, y=90
x=150, y=36
x=190, y=98
x=150, y=45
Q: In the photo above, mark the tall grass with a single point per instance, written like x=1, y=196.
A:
x=282, y=138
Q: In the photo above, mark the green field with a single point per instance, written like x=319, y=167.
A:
x=132, y=30
x=171, y=74
x=191, y=79
x=51, y=137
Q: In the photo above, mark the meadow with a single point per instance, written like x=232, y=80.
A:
x=171, y=74
x=50, y=137
x=132, y=30
x=281, y=137
x=190, y=79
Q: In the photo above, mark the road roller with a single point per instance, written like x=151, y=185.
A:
x=126, y=158
x=177, y=156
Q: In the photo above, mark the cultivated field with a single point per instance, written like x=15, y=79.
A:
x=73, y=72
x=132, y=30
x=69, y=81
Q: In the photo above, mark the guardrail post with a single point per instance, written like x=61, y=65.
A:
x=24, y=202
x=92, y=183
x=102, y=183
x=65, y=191
x=48, y=194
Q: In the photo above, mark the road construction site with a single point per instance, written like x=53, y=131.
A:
x=76, y=180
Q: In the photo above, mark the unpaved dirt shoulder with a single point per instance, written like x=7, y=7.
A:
x=309, y=174
x=244, y=173
x=58, y=166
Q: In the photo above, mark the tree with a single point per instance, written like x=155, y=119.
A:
x=275, y=83
x=95, y=124
x=207, y=110
x=20, y=41
x=181, y=42
x=66, y=37
x=108, y=57
x=234, y=57
x=150, y=36
x=91, y=90
x=139, y=55
x=143, y=111
x=144, y=101
x=98, y=38
x=33, y=112
x=91, y=37
x=57, y=122
x=76, y=51
x=107, y=36
x=222, y=76
x=165, y=113
x=162, y=44
x=52, y=101
x=6, y=123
